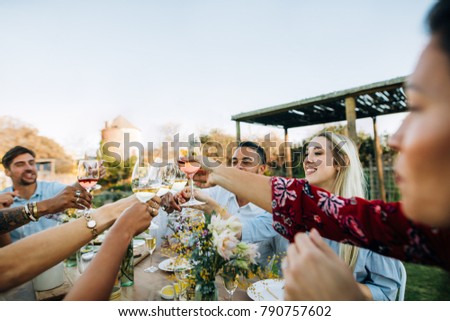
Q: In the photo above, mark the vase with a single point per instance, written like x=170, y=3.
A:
x=126, y=276
x=206, y=291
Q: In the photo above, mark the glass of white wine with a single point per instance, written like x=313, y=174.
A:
x=180, y=180
x=150, y=243
x=167, y=176
x=230, y=279
x=179, y=183
x=181, y=269
x=145, y=181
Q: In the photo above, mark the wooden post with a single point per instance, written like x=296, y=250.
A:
x=372, y=194
x=238, y=132
x=378, y=159
x=287, y=154
x=350, y=113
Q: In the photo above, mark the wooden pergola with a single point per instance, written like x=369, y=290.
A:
x=377, y=99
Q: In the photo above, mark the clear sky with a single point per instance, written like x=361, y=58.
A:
x=68, y=66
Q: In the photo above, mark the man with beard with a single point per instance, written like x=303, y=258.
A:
x=256, y=222
x=20, y=165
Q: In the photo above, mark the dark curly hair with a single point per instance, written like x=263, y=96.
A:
x=258, y=149
x=13, y=153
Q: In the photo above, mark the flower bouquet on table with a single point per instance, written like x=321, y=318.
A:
x=212, y=248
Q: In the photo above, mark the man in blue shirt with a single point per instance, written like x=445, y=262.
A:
x=20, y=166
x=256, y=222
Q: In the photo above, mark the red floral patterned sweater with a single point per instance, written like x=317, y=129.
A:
x=375, y=225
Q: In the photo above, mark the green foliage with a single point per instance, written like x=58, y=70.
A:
x=426, y=283
x=109, y=196
x=218, y=144
x=119, y=176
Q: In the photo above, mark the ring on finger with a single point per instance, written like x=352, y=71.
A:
x=151, y=211
x=78, y=198
x=78, y=193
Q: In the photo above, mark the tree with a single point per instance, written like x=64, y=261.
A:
x=15, y=132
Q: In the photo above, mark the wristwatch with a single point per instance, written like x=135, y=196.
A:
x=91, y=223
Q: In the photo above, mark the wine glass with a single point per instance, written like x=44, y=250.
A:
x=180, y=180
x=88, y=174
x=167, y=176
x=150, y=242
x=145, y=181
x=190, y=168
x=181, y=269
x=230, y=282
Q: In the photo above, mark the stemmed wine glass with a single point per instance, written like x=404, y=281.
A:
x=190, y=168
x=230, y=281
x=180, y=179
x=88, y=175
x=145, y=181
x=167, y=176
x=150, y=242
x=181, y=269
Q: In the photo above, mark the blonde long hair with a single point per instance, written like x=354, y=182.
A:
x=349, y=181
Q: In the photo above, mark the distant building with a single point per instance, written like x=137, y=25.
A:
x=119, y=131
x=46, y=168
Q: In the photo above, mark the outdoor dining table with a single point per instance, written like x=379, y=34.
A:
x=147, y=286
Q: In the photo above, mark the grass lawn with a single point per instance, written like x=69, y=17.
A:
x=426, y=283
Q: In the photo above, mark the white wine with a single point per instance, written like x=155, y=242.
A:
x=151, y=243
x=163, y=190
x=179, y=184
x=145, y=194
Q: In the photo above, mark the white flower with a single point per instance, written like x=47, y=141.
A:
x=225, y=243
x=248, y=251
x=220, y=225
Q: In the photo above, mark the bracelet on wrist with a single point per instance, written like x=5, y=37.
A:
x=35, y=211
x=24, y=212
x=91, y=223
x=30, y=211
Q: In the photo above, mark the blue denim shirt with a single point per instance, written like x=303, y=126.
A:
x=379, y=273
x=44, y=190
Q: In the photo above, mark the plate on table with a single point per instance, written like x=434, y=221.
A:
x=166, y=265
x=267, y=290
x=99, y=239
x=138, y=247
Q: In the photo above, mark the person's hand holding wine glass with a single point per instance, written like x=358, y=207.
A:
x=190, y=166
x=145, y=184
x=203, y=168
